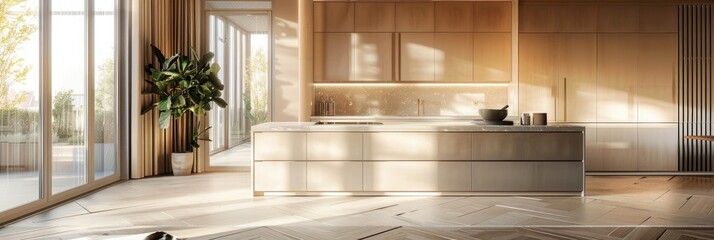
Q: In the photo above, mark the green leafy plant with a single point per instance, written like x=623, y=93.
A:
x=184, y=83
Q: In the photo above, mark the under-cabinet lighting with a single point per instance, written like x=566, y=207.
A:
x=348, y=84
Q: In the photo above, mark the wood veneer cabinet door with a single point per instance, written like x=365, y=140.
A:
x=657, y=147
x=492, y=57
x=333, y=57
x=658, y=18
x=453, y=57
x=492, y=16
x=417, y=57
x=280, y=176
x=618, y=18
x=577, y=61
x=497, y=146
x=578, y=18
x=535, y=18
x=422, y=146
x=657, y=78
x=453, y=17
x=334, y=17
x=617, y=147
x=374, y=17
x=290, y=146
x=334, y=176
x=555, y=146
x=415, y=17
x=527, y=176
x=537, y=61
x=372, y=57
x=616, y=77
x=417, y=176
x=336, y=146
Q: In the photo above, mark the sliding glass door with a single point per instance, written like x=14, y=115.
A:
x=241, y=42
x=20, y=158
x=58, y=101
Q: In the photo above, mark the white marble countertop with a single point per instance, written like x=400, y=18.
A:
x=437, y=126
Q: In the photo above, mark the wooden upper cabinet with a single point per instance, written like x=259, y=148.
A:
x=374, y=17
x=454, y=17
x=618, y=18
x=657, y=78
x=578, y=18
x=373, y=57
x=415, y=17
x=334, y=17
x=538, y=18
x=616, y=77
x=492, y=57
x=658, y=18
x=453, y=57
x=537, y=61
x=492, y=17
x=417, y=57
x=577, y=61
x=333, y=57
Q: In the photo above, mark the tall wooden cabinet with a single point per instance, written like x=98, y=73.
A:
x=537, y=61
x=611, y=67
x=617, y=74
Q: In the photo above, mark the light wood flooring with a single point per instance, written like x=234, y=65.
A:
x=220, y=206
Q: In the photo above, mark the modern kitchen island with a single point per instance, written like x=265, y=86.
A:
x=418, y=158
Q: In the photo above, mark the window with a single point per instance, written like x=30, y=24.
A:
x=240, y=41
x=56, y=89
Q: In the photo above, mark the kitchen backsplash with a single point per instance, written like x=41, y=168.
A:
x=401, y=100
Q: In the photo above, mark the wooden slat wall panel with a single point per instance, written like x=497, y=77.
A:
x=695, y=87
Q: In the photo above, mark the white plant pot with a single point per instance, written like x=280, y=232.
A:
x=182, y=163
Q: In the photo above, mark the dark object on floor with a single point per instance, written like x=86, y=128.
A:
x=159, y=236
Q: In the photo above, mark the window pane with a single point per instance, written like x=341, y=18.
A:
x=19, y=104
x=68, y=95
x=217, y=114
x=105, y=160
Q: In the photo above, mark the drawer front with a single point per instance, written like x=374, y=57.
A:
x=280, y=176
x=499, y=146
x=417, y=146
x=279, y=146
x=334, y=146
x=334, y=176
x=417, y=176
x=555, y=146
x=527, y=176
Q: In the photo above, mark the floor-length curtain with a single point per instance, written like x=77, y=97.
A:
x=172, y=26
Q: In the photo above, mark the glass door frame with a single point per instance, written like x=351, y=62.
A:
x=46, y=198
x=269, y=58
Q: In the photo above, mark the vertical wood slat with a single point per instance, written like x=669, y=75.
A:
x=695, y=87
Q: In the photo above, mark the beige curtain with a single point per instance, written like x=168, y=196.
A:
x=173, y=26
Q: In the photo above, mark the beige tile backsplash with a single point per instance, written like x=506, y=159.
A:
x=401, y=100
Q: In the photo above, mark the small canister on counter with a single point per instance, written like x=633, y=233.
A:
x=540, y=119
x=526, y=119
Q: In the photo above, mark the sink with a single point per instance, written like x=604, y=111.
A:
x=347, y=123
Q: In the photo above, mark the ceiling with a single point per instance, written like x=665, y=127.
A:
x=238, y=5
x=250, y=22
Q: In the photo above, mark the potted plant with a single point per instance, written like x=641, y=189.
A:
x=184, y=83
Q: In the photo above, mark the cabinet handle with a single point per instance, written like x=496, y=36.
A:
x=674, y=85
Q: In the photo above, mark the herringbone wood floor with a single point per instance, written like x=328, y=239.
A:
x=219, y=206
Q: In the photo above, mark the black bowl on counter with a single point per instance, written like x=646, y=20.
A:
x=494, y=115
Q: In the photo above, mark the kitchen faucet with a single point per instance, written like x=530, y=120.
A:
x=420, y=107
